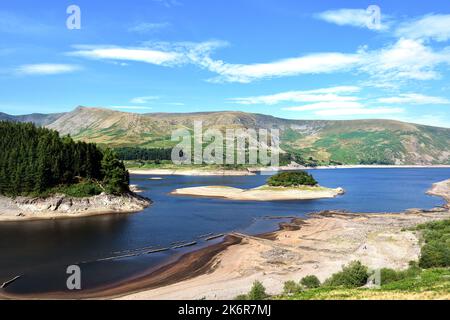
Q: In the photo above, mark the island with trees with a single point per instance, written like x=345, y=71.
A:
x=293, y=185
x=43, y=175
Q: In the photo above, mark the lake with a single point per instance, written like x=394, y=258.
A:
x=40, y=251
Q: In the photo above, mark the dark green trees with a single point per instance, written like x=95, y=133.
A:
x=34, y=160
x=115, y=176
x=292, y=179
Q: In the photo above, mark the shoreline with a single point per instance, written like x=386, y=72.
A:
x=190, y=172
x=321, y=237
x=319, y=244
x=255, y=170
x=64, y=207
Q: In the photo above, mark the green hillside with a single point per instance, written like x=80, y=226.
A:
x=335, y=142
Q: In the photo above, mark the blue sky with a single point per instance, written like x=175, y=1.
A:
x=288, y=58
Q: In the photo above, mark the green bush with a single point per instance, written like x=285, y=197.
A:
x=241, y=297
x=310, y=282
x=292, y=179
x=291, y=287
x=390, y=275
x=354, y=275
x=82, y=189
x=258, y=292
x=436, y=250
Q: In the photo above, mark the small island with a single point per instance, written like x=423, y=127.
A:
x=45, y=176
x=298, y=185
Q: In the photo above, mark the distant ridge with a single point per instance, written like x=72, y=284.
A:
x=327, y=141
x=39, y=119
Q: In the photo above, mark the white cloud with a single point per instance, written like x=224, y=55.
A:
x=414, y=98
x=405, y=60
x=309, y=64
x=142, y=100
x=358, y=111
x=433, y=26
x=145, y=55
x=131, y=107
x=329, y=105
x=46, y=69
x=149, y=27
x=351, y=17
x=323, y=94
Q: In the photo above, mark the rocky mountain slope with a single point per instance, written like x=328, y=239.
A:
x=346, y=142
x=39, y=119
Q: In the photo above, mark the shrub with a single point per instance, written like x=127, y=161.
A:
x=310, y=282
x=291, y=287
x=354, y=275
x=82, y=189
x=292, y=179
x=389, y=275
x=436, y=250
x=241, y=297
x=258, y=292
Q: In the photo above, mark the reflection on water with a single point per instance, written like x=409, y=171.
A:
x=41, y=250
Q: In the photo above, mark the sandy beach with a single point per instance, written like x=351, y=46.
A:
x=263, y=193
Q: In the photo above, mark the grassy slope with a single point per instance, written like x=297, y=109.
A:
x=430, y=284
x=347, y=142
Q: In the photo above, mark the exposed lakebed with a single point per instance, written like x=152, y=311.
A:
x=40, y=251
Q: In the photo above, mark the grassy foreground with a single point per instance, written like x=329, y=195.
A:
x=428, y=284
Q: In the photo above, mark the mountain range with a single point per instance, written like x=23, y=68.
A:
x=325, y=141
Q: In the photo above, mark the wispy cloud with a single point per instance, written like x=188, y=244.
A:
x=15, y=24
x=324, y=94
x=332, y=101
x=328, y=105
x=149, y=27
x=131, y=107
x=414, y=98
x=308, y=64
x=157, y=53
x=350, y=17
x=405, y=60
x=146, y=55
x=46, y=69
x=168, y=3
x=359, y=111
x=142, y=100
x=432, y=26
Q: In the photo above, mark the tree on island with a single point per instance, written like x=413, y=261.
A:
x=292, y=179
x=37, y=161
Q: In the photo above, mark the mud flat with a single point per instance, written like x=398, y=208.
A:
x=61, y=206
x=264, y=193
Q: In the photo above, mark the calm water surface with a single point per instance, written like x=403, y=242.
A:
x=40, y=251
